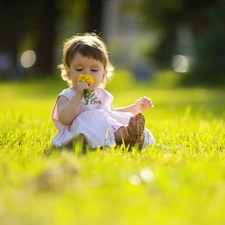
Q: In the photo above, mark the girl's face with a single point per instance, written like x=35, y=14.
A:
x=84, y=65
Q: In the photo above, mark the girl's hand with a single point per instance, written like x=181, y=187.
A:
x=143, y=103
x=81, y=86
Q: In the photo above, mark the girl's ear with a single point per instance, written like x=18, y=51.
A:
x=104, y=75
x=68, y=72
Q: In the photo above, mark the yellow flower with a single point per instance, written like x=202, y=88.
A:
x=88, y=95
x=86, y=78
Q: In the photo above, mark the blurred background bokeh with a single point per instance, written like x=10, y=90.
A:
x=185, y=36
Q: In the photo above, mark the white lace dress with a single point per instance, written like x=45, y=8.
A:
x=97, y=122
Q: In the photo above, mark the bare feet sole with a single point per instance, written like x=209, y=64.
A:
x=135, y=130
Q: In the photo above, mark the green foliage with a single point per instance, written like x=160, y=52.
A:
x=178, y=180
x=208, y=66
x=205, y=21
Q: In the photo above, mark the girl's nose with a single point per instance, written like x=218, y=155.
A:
x=86, y=71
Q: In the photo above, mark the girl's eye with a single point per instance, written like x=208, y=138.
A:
x=79, y=70
x=94, y=70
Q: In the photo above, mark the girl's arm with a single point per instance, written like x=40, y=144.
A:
x=68, y=109
x=139, y=106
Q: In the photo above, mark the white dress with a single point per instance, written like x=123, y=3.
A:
x=97, y=122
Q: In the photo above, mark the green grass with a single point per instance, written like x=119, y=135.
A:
x=178, y=180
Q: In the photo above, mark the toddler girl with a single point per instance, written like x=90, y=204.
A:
x=92, y=115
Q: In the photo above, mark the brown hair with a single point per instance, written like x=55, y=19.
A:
x=89, y=45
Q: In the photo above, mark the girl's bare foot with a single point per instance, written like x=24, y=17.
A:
x=134, y=131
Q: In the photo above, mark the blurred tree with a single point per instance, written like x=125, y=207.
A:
x=165, y=16
x=33, y=24
x=10, y=29
x=209, y=57
x=46, y=15
x=205, y=19
x=33, y=19
x=93, y=20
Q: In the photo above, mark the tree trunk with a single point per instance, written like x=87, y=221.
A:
x=10, y=18
x=93, y=21
x=46, y=40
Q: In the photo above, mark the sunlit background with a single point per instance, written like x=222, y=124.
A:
x=144, y=36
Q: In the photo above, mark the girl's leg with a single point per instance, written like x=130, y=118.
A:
x=120, y=135
x=133, y=133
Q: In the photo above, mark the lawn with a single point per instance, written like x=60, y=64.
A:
x=178, y=180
